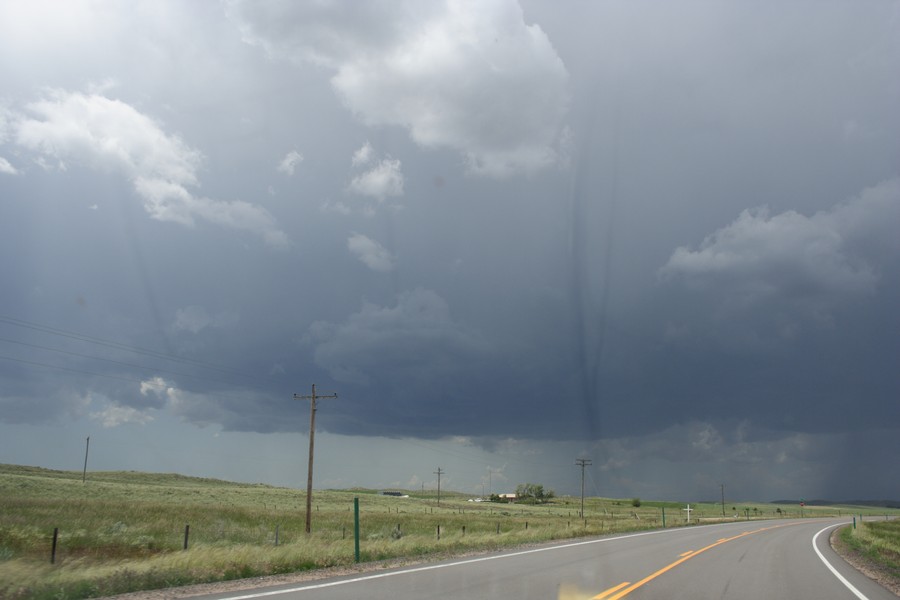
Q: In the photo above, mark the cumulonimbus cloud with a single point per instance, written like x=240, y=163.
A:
x=103, y=133
x=417, y=336
x=471, y=76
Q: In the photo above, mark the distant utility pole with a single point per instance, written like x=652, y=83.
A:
x=312, y=436
x=582, y=462
x=723, y=498
x=439, y=472
x=87, y=446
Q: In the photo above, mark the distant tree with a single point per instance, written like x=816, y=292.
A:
x=635, y=502
x=496, y=498
x=533, y=493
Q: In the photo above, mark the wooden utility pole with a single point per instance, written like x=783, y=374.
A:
x=723, y=498
x=439, y=472
x=582, y=462
x=312, y=437
x=87, y=446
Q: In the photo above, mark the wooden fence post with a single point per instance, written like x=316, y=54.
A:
x=56, y=537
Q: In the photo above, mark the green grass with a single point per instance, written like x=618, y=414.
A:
x=878, y=541
x=124, y=531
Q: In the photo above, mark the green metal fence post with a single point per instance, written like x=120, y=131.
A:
x=356, y=528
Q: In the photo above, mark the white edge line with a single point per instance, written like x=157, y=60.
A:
x=840, y=577
x=317, y=586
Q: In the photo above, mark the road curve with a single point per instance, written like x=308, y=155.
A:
x=788, y=559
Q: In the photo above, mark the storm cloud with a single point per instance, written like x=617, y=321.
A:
x=505, y=233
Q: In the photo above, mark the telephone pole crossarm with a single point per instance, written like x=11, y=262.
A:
x=312, y=436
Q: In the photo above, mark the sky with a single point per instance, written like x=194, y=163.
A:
x=508, y=235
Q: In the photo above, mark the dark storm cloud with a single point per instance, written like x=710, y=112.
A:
x=644, y=233
x=766, y=317
x=773, y=310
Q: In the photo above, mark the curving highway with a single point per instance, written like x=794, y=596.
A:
x=755, y=560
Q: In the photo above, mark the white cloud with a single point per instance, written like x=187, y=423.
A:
x=820, y=259
x=290, y=162
x=155, y=386
x=764, y=255
x=470, y=76
x=108, y=134
x=371, y=253
x=6, y=119
x=336, y=206
x=328, y=33
x=213, y=407
x=381, y=181
x=6, y=167
x=113, y=416
x=363, y=156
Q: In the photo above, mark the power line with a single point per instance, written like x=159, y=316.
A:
x=593, y=483
x=117, y=345
x=81, y=371
x=106, y=376
x=108, y=360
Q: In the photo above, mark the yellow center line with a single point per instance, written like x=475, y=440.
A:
x=611, y=590
x=685, y=557
x=686, y=553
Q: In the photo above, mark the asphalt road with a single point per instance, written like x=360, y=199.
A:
x=760, y=559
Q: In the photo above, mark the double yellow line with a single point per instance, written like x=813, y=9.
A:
x=625, y=588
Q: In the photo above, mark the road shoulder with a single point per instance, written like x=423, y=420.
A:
x=864, y=565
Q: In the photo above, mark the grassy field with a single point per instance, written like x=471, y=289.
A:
x=879, y=542
x=125, y=531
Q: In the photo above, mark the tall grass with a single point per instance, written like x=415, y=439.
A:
x=124, y=531
x=878, y=541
